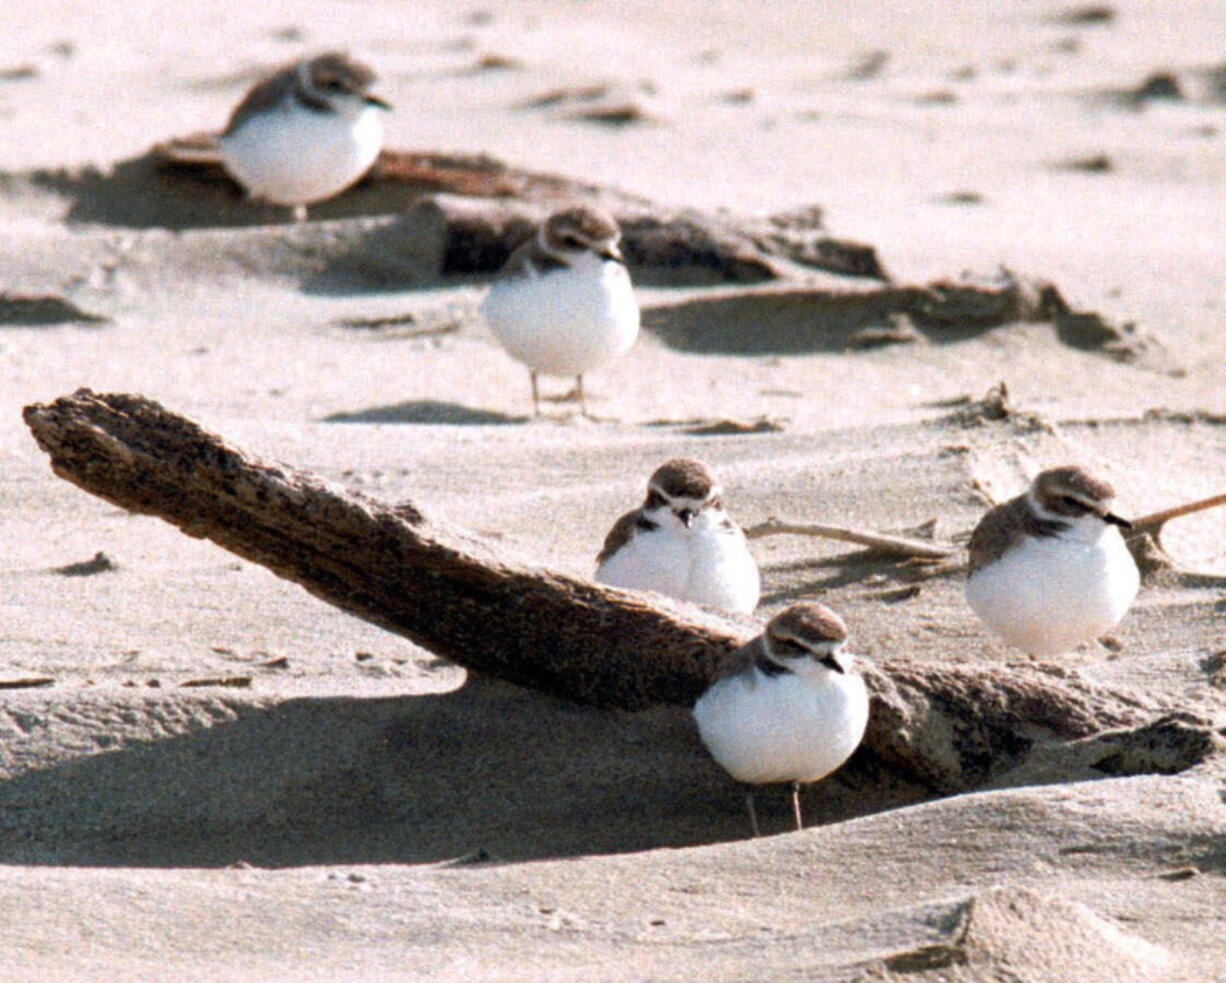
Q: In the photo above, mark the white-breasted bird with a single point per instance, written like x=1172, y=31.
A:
x=305, y=133
x=789, y=707
x=680, y=542
x=563, y=303
x=1049, y=568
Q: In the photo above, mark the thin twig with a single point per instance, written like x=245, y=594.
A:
x=1156, y=520
x=895, y=545
x=239, y=682
x=450, y=326
x=27, y=682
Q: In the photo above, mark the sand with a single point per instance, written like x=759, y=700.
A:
x=357, y=810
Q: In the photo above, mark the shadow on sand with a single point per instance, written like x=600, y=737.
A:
x=487, y=772
x=425, y=411
x=800, y=321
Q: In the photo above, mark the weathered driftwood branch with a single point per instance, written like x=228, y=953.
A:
x=385, y=563
x=1145, y=544
x=950, y=727
x=1154, y=522
x=892, y=545
x=909, y=548
x=181, y=184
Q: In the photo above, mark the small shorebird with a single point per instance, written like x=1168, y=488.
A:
x=680, y=542
x=789, y=708
x=563, y=303
x=305, y=133
x=1049, y=568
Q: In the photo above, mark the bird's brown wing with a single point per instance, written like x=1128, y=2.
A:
x=1003, y=527
x=262, y=97
x=529, y=260
x=621, y=533
x=739, y=661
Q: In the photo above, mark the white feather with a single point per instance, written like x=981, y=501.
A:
x=797, y=726
x=292, y=155
x=703, y=564
x=567, y=321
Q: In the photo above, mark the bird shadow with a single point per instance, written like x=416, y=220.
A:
x=149, y=192
x=489, y=772
x=42, y=311
x=426, y=411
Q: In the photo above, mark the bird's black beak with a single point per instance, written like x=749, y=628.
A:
x=377, y=101
x=613, y=255
x=686, y=516
x=1115, y=520
x=831, y=661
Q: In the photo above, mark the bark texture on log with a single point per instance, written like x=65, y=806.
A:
x=951, y=728
x=180, y=184
x=385, y=563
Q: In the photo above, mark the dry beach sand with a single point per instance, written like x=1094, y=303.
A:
x=350, y=807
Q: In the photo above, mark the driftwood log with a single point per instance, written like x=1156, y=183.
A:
x=950, y=728
x=475, y=209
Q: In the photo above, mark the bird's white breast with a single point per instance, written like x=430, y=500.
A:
x=791, y=727
x=1048, y=595
x=292, y=155
x=567, y=321
x=703, y=565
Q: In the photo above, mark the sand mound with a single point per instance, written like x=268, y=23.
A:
x=830, y=319
x=1018, y=934
x=473, y=210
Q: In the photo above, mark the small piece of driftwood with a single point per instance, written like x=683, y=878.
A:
x=1154, y=522
x=891, y=545
x=950, y=727
x=27, y=682
x=1144, y=542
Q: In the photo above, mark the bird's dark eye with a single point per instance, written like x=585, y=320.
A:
x=572, y=242
x=330, y=83
x=793, y=650
x=1069, y=502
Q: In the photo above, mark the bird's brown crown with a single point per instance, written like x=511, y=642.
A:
x=580, y=226
x=335, y=71
x=683, y=477
x=1071, y=491
x=809, y=624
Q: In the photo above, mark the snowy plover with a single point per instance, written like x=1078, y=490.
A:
x=1049, y=569
x=563, y=303
x=306, y=133
x=789, y=708
x=681, y=543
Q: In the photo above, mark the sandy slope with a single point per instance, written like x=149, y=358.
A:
x=307, y=827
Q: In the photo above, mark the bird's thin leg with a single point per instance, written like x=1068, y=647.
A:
x=800, y=823
x=753, y=813
x=536, y=396
x=582, y=399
